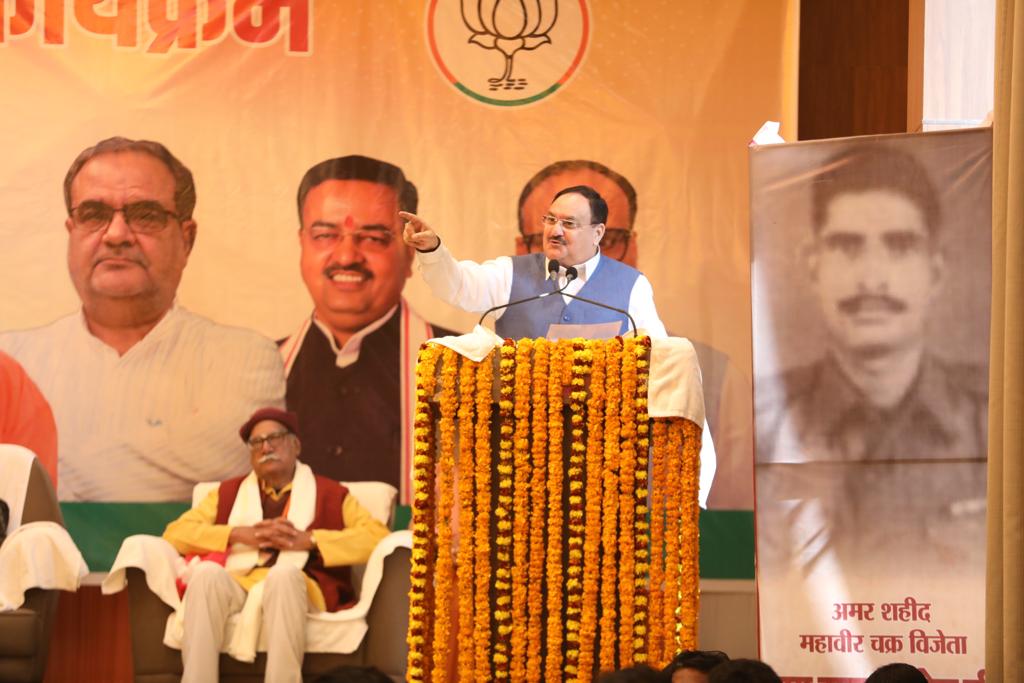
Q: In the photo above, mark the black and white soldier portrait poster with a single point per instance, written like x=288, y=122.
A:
x=871, y=289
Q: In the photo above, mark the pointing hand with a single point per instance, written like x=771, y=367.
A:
x=418, y=234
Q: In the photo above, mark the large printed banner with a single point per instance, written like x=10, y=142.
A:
x=871, y=278
x=155, y=319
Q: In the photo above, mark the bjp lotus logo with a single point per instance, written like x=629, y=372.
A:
x=509, y=26
x=472, y=41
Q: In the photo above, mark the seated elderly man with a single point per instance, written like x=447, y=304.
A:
x=287, y=538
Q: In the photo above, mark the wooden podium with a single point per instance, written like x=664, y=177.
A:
x=554, y=519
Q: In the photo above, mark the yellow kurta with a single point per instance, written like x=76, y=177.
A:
x=196, y=532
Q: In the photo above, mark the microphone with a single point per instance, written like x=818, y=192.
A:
x=571, y=274
x=553, y=267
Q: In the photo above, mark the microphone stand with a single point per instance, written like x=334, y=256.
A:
x=610, y=308
x=553, y=266
x=570, y=275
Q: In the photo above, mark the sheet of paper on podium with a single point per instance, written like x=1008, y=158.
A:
x=591, y=331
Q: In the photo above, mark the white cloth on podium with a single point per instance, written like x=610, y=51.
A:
x=675, y=385
x=674, y=388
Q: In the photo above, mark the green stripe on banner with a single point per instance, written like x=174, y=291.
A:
x=726, y=536
x=507, y=103
x=403, y=515
x=99, y=528
x=727, y=544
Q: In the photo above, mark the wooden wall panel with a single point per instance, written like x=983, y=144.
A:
x=853, y=67
x=91, y=639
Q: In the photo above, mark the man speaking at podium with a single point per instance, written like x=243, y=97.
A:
x=571, y=262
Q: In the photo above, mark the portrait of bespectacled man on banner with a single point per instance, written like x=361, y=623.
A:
x=144, y=391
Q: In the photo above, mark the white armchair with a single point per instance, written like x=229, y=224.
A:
x=37, y=559
x=372, y=632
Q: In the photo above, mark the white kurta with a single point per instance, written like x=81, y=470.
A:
x=148, y=425
x=476, y=287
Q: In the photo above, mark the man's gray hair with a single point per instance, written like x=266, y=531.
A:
x=184, y=186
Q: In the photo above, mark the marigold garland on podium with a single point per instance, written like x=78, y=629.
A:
x=555, y=529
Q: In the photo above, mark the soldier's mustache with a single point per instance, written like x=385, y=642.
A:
x=855, y=304
x=266, y=457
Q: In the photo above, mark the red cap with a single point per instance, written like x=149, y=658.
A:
x=285, y=417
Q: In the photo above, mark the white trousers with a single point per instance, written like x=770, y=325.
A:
x=213, y=596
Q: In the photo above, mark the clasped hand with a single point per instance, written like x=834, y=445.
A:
x=277, y=534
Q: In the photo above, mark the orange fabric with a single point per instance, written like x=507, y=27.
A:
x=25, y=416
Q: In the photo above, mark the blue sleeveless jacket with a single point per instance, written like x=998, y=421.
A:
x=610, y=283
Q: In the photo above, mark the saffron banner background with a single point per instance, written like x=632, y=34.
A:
x=665, y=92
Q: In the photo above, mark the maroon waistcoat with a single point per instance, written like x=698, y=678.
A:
x=334, y=582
